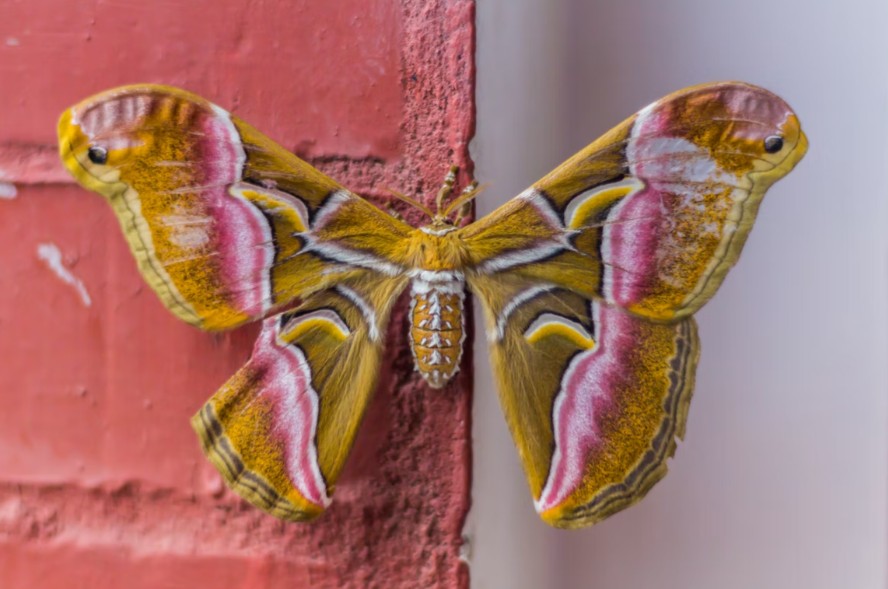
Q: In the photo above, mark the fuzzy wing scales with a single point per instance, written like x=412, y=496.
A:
x=226, y=226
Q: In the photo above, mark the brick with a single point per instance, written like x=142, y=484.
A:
x=73, y=567
x=322, y=77
x=101, y=480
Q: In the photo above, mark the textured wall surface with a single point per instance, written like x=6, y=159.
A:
x=102, y=483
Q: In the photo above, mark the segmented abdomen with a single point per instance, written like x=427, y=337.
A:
x=436, y=325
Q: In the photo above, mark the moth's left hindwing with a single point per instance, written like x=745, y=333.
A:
x=588, y=280
x=228, y=227
x=281, y=428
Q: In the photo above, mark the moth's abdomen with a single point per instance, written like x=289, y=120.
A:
x=437, y=325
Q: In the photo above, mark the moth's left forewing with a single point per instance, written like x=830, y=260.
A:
x=701, y=161
x=651, y=216
x=226, y=225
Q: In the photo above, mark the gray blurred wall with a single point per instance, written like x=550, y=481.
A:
x=781, y=480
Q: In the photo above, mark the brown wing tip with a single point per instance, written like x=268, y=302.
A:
x=246, y=483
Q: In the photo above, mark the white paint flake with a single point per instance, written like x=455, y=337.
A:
x=8, y=190
x=52, y=256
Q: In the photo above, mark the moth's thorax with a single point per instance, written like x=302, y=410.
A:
x=436, y=248
x=437, y=327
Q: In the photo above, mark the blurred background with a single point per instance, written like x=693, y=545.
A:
x=781, y=480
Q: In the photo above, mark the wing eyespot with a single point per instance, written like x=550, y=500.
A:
x=773, y=144
x=97, y=155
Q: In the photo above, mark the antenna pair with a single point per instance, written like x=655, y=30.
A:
x=465, y=197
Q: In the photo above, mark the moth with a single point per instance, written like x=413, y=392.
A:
x=588, y=281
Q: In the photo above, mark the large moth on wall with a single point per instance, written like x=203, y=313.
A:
x=588, y=281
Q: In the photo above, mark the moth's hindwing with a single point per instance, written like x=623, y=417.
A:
x=594, y=397
x=641, y=227
x=281, y=428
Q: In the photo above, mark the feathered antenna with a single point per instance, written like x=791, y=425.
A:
x=412, y=202
x=468, y=193
x=446, y=189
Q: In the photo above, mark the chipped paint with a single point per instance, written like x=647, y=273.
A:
x=50, y=253
x=7, y=189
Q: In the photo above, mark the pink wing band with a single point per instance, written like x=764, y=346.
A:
x=633, y=242
x=210, y=217
x=585, y=394
x=285, y=383
x=694, y=192
x=243, y=235
x=596, y=386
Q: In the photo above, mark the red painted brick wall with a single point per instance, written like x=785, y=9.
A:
x=102, y=483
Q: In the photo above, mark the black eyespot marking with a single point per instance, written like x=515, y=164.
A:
x=773, y=144
x=97, y=155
